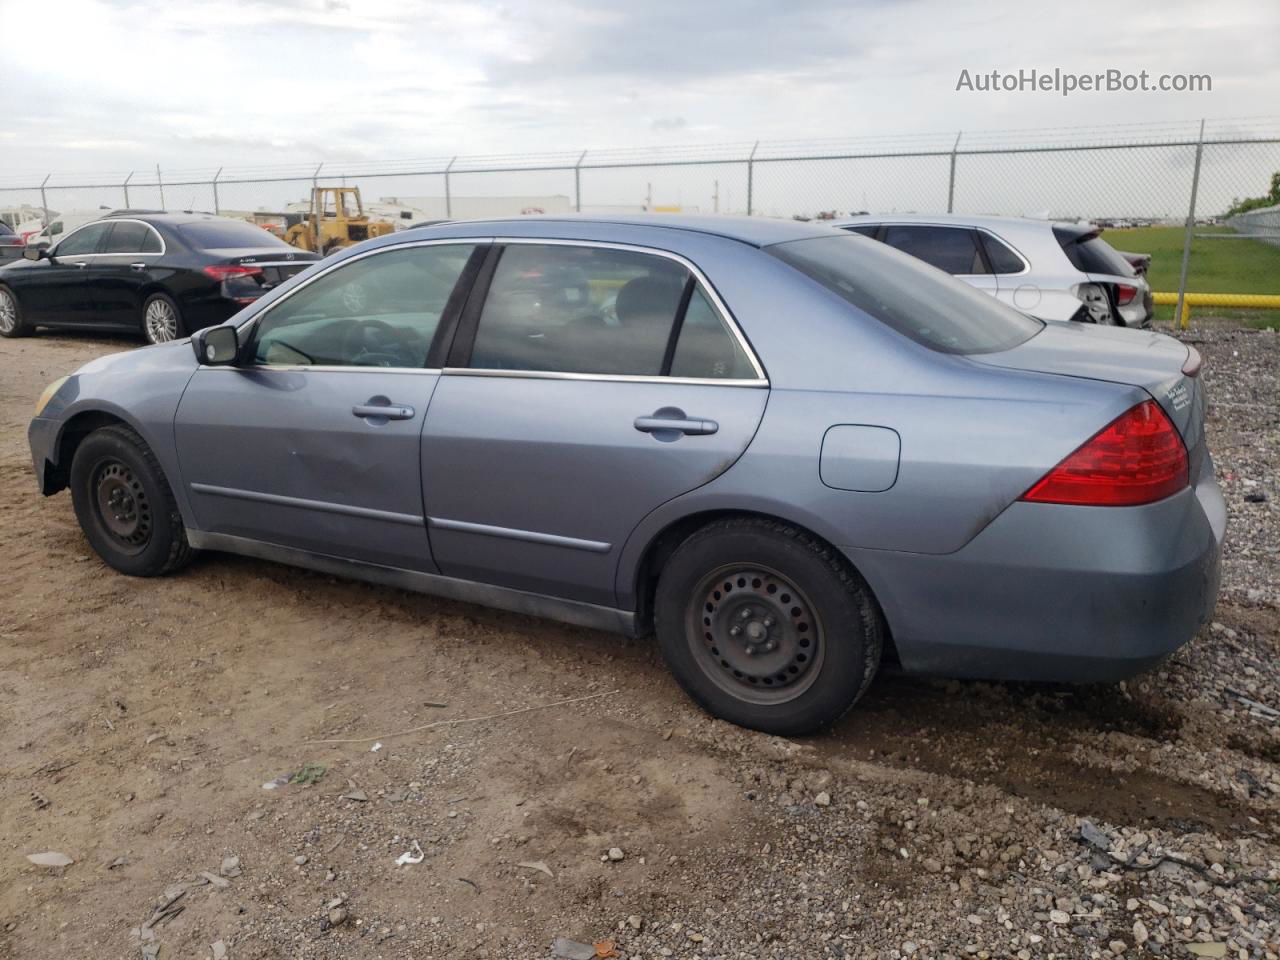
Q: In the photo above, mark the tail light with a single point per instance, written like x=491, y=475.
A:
x=225, y=271
x=1125, y=294
x=1137, y=458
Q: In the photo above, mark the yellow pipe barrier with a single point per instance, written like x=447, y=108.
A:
x=1254, y=301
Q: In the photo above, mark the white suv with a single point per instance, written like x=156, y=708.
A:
x=1051, y=271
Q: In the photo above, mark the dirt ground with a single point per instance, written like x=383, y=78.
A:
x=142, y=719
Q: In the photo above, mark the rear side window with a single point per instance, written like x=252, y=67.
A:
x=228, y=235
x=938, y=312
x=5, y=229
x=1001, y=258
x=83, y=241
x=706, y=348
x=574, y=309
x=866, y=229
x=132, y=237
x=952, y=249
x=1089, y=253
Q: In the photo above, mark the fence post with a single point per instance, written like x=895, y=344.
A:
x=315, y=177
x=751, y=158
x=951, y=185
x=577, y=183
x=1179, y=312
x=160, y=184
x=448, y=194
x=44, y=204
x=126, y=189
x=216, y=208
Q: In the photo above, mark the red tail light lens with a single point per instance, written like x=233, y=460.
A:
x=230, y=271
x=1138, y=458
x=1125, y=294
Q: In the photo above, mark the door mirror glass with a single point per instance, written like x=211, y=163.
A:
x=32, y=252
x=216, y=346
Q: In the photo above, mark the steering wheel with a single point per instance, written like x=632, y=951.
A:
x=375, y=343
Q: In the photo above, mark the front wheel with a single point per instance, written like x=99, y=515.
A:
x=11, y=322
x=161, y=319
x=766, y=627
x=125, y=505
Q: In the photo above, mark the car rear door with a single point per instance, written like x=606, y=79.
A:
x=588, y=384
x=126, y=264
x=312, y=440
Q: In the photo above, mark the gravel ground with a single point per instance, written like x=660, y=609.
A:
x=940, y=819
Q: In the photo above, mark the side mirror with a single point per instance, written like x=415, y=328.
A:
x=35, y=252
x=216, y=346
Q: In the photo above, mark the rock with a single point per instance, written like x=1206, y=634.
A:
x=615, y=854
x=932, y=865
x=635, y=923
x=1207, y=949
x=1094, y=837
x=572, y=950
x=1117, y=947
x=823, y=799
x=52, y=859
x=1253, y=496
x=217, y=881
x=1140, y=935
x=1059, y=916
x=338, y=916
x=908, y=947
x=219, y=950
x=300, y=859
x=230, y=867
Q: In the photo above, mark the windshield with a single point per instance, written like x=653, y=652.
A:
x=908, y=295
x=228, y=235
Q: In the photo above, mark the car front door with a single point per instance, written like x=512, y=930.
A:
x=124, y=267
x=311, y=440
x=59, y=290
x=953, y=249
x=588, y=385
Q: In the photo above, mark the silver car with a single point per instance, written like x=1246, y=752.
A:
x=1053, y=271
x=790, y=451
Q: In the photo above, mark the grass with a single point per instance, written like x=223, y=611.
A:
x=1216, y=266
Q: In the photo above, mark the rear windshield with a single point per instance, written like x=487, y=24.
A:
x=1089, y=253
x=5, y=229
x=908, y=295
x=228, y=235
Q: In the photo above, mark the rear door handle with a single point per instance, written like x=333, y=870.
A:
x=81, y=265
x=384, y=411
x=669, y=422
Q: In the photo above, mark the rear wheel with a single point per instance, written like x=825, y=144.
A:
x=161, y=319
x=11, y=322
x=125, y=505
x=766, y=627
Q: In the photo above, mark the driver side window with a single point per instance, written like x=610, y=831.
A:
x=378, y=311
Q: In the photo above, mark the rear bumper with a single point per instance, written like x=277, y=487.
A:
x=1058, y=593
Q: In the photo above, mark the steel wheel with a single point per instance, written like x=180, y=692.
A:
x=160, y=321
x=8, y=312
x=754, y=634
x=121, y=506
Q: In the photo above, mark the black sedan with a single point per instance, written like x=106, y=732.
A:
x=164, y=275
x=10, y=243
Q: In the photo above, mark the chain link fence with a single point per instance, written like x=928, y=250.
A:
x=1194, y=195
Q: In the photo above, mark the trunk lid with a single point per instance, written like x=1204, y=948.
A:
x=1160, y=365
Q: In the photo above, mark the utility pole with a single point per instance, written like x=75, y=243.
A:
x=751, y=161
x=648, y=197
x=160, y=184
x=448, y=195
x=216, y=209
x=44, y=204
x=951, y=186
x=715, y=198
x=126, y=189
x=577, y=182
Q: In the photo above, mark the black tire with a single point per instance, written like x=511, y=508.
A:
x=11, y=322
x=155, y=330
x=125, y=506
x=810, y=632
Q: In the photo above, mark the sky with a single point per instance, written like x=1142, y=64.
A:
x=106, y=86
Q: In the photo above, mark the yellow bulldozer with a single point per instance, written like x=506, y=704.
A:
x=335, y=219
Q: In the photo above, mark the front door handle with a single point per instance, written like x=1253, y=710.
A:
x=81, y=265
x=669, y=423
x=138, y=267
x=383, y=411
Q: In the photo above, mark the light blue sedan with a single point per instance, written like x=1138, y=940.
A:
x=790, y=451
